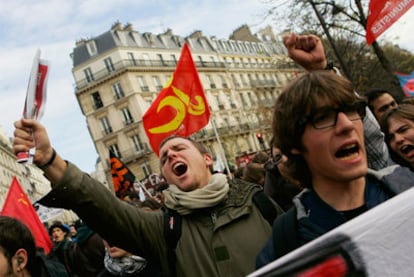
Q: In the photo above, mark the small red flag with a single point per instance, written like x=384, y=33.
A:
x=122, y=178
x=382, y=14
x=18, y=205
x=181, y=107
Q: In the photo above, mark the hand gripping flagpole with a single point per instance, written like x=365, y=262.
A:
x=35, y=99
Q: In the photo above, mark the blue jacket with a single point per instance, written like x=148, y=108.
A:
x=311, y=217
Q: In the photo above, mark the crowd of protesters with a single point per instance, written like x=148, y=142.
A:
x=326, y=165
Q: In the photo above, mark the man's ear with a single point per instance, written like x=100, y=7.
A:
x=19, y=260
x=209, y=159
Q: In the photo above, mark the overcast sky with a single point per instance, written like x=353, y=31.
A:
x=55, y=25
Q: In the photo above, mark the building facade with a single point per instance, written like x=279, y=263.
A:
x=119, y=73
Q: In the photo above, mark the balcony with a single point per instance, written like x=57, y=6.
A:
x=107, y=131
x=262, y=83
x=133, y=154
x=126, y=64
x=128, y=121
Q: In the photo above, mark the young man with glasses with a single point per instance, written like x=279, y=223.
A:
x=318, y=125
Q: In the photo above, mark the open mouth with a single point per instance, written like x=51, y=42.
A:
x=348, y=152
x=179, y=169
x=406, y=149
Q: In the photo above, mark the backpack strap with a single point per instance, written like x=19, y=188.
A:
x=266, y=206
x=172, y=233
x=285, y=233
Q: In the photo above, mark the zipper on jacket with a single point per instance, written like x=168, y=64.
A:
x=214, y=218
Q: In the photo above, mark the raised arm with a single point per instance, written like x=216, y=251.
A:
x=30, y=133
x=306, y=50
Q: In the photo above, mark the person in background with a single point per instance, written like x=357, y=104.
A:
x=254, y=173
x=379, y=101
x=398, y=127
x=278, y=185
x=73, y=232
x=62, y=246
x=238, y=174
x=87, y=254
x=408, y=100
x=18, y=253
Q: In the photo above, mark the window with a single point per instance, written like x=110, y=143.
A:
x=243, y=78
x=236, y=83
x=114, y=148
x=219, y=104
x=212, y=60
x=174, y=59
x=232, y=103
x=243, y=99
x=131, y=58
x=127, y=116
x=223, y=82
x=109, y=65
x=157, y=82
x=91, y=46
x=161, y=59
x=97, y=101
x=146, y=59
x=117, y=89
x=139, y=147
x=107, y=129
x=142, y=83
x=148, y=100
x=211, y=81
x=145, y=168
x=88, y=75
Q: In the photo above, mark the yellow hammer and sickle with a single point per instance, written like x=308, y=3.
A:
x=24, y=202
x=179, y=103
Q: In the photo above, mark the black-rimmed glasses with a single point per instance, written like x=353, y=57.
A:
x=326, y=117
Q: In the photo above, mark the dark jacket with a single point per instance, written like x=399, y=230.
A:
x=278, y=188
x=314, y=217
x=48, y=267
x=62, y=252
x=219, y=241
x=88, y=253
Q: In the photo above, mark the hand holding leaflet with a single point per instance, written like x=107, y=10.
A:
x=35, y=98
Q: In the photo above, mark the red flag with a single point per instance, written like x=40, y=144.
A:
x=122, y=178
x=407, y=83
x=181, y=107
x=18, y=205
x=382, y=14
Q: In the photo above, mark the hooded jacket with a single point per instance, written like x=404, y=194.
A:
x=219, y=241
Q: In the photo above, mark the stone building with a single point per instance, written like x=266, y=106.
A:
x=119, y=73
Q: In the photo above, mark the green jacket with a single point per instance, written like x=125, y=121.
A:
x=220, y=241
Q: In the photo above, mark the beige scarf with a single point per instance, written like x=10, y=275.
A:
x=207, y=196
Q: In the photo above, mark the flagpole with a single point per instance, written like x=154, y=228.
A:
x=223, y=155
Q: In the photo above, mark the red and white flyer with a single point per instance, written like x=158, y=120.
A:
x=34, y=105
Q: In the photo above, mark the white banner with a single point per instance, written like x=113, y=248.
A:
x=45, y=213
x=379, y=242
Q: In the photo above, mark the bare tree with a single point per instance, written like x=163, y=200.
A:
x=339, y=19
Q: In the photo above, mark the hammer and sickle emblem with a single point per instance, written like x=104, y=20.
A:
x=181, y=103
x=22, y=200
